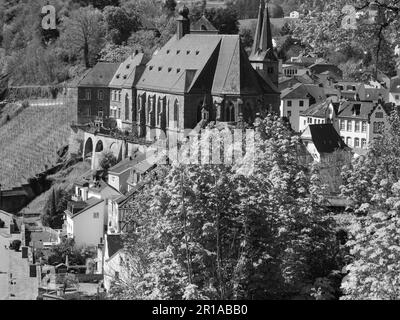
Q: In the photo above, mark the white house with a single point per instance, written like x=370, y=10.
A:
x=297, y=99
x=86, y=216
x=119, y=174
x=87, y=226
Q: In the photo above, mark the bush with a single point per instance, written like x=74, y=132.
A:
x=107, y=160
x=15, y=245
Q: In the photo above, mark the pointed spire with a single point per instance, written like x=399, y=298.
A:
x=257, y=37
x=266, y=34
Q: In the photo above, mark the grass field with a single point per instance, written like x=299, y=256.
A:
x=30, y=140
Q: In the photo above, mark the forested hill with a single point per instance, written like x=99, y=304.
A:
x=109, y=29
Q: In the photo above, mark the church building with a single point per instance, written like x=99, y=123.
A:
x=201, y=76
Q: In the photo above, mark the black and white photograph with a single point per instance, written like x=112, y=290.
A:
x=198, y=155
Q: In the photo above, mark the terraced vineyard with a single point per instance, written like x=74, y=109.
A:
x=29, y=142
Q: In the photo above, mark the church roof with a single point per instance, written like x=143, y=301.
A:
x=100, y=75
x=129, y=72
x=203, y=62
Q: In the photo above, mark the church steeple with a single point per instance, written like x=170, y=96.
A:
x=262, y=57
x=266, y=34
x=257, y=37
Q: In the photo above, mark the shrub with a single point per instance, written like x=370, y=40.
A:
x=15, y=245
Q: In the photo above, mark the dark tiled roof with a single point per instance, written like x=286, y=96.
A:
x=114, y=244
x=318, y=110
x=303, y=91
x=125, y=199
x=89, y=204
x=129, y=72
x=100, y=76
x=347, y=109
x=298, y=91
x=325, y=138
x=126, y=164
x=203, y=62
x=373, y=94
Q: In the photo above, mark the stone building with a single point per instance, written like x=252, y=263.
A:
x=198, y=76
x=94, y=94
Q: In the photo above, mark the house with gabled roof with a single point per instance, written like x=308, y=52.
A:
x=360, y=122
x=86, y=215
x=119, y=174
x=196, y=71
x=323, y=112
x=297, y=99
x=94, y=93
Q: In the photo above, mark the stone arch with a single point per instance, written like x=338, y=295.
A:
x=99, y=146
x=88, y=149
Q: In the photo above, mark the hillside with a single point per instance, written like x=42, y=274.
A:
x=63, y=180
x=30, y=140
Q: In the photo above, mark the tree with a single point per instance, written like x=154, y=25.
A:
x=54, y=209
x=120, y=24
x=374, y=271
x=225, y=20
x=107, y=160
x=213, y=232
x=170, y=6
x=373, y=184
x=66, y=248
x=83, y=32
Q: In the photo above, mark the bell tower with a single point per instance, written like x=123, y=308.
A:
x=262, y=57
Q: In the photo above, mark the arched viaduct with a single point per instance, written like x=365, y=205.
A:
x=95, y=144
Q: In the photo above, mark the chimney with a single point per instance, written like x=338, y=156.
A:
x=183, y=23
